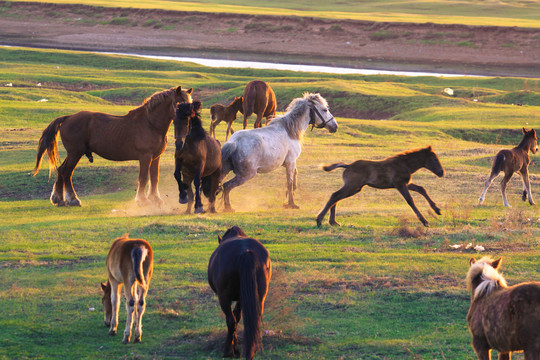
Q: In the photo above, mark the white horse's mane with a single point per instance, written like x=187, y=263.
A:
x=491, y=279
x=291, y=119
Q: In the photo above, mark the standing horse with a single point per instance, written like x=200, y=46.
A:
x=240, y=270
x=197, y=158
x=259, y=98
x=511, y=161
x=503, y=318
x=393, y=172
x=130, y=262
x=227, y=113
x=141, y=135
x=262, y=150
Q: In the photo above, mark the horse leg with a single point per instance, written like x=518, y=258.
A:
x=144, y=168
x=258, y=121
x=182, y=199
x=229, y=130
x=526, y=186
x=237, y=316
x=69, y=164
x=345, y=192
x=231, y=184
x=154, y=179
x=188, y=197
x=504, y=183
x=225, y=304
x=404, y=191
x=141, y=307
x=291, y=171
x=419, y=189
x=115, y=304
x=505, y=355
x=486, y=186
x=214, y=184
x=482, y=349
x=57, y=193
x=245, y=121
x=130, y=292
x=197, y=184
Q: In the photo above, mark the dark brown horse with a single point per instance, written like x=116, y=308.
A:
x=227, y=113
x=240, y=270
x=392, y=173
x=511, y=161
x=259, y=98
x=141, y=135
x=503, y=318
x=197, y=158
x=130, y=262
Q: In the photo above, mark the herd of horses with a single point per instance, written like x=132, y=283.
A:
x=500, y=317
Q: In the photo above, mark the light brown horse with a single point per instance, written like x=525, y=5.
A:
x=141, y=135
x=130, y=262
x=259, y=98
x=511, y=161
x=227, y=113
x=393, y=172
x=503, y=318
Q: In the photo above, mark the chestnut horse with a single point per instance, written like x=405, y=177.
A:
x=130, y=262
x=240, y=270
x=503, y=318
x=511, y=161
x=197, y=158
x=391, y=173
x=227, y=113
x=141, y=135
x=259, y=98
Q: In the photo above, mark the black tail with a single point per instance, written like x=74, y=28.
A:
x=48, y=142
x=251, y=304
x=497, y=164
x=335, y=166
x=138, y=255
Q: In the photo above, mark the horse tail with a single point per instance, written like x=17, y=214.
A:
x=138, y=255
x=248, y=103
x=335, y=166
x=206, y=185
x=226, y=152
x=48, y=142
x=251, y=304
x=498, y=163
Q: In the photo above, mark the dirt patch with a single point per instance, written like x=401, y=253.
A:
x=485, y=50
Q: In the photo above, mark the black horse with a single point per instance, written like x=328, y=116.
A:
x=197, y=158
x=240, y=270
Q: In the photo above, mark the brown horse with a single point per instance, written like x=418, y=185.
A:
x=227, y=113
x=503, y=318
x=511, y=161
x=197, y=158
x=141, y=135
x=392, y=173
x=240, y=270
x=130, y=262
x=259, y=98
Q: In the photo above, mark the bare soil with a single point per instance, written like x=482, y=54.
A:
x=483, y=50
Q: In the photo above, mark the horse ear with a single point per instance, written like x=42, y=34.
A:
x=178, y=89
x=496, y=263
x=219, y=239
x=190, y=90
x=472, y=261
x=429, y=148
x=524, y=130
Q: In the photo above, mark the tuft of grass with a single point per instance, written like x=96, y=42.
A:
x=382, y=35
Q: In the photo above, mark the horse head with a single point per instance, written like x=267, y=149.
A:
x=432, y=162
x=319, y=115
x=236, y=104
x=106, y=301
x=532, y=140
x=182, y=120
x=235, y=231
x=483, y=276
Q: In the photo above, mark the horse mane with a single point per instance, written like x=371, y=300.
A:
x=527, y=136
x=197, y=131
x=296, y=109
x=491, y=278
x=157, y=98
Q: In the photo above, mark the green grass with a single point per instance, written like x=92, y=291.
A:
x=378, y=287
x=508, y=13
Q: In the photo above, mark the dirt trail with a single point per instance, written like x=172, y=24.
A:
x=481, y=50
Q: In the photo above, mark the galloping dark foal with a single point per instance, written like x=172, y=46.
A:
x=140, y=135
x=227, y=113
x=393, y=172
x=130, y=262
x=240, y=270
x=259, y=98
x=503, y=318
x=197, y=158
x=511, y=161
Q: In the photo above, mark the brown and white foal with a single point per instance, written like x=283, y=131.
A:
x=130, y=262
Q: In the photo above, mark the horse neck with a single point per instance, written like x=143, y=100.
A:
x=525, y=144
x=197, y=131
x=295, y=121
x=160, y=116
x=414, y=161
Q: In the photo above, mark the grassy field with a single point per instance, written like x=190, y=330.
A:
x=378, y=287
x=495, y=13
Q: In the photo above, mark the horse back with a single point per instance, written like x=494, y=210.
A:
x=120, y=259
x=384, y=174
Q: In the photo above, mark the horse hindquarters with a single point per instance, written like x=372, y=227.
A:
x=250, y=300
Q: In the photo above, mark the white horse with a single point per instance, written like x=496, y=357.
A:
x=262, y=150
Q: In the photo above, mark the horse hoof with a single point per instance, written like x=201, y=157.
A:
x=319, y=223
x=137, y=340
x=125, y=340
x=183, y=200
x=334, y=223
x=199, y=210
x=112, y=332
x=228, y=209
x=438, y=211
x=75, y=202
x=61, y=203
x=426, y=224
x=291, y=206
